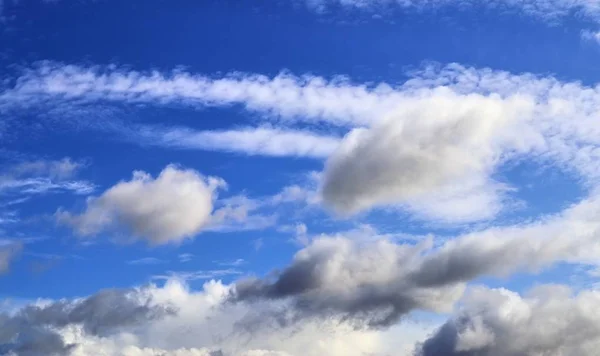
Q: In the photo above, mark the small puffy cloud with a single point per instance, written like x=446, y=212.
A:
x=442, y=144
x=167, y=209
x=550, y=320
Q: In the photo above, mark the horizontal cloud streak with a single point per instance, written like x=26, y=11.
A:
x=250, y=141
x=549, y=10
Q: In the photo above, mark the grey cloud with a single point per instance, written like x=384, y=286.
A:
x=548, y=321
x=366, y=284
x=167, y=209
x=441, y=144
x=35, y=329
x=375, y=283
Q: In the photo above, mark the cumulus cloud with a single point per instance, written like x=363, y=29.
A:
x=368, y=284
x=441, y=141
x=549, y=320
x=375, y=283
x=175, y=320
x=34, y=329
x=169, y=208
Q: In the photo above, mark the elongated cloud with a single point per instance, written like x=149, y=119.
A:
x=548, y=10
x=550, y=320
x=249, y=141
x=374, y=284
x=43, y=176
x=169, y=208
x=284, y=96
x=175, y=320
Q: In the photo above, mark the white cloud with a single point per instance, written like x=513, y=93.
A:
x=61, y=169
x=549, y=10
x=43, y=176
x=441, y=142
x=593, y=36
x=538, y=118
x=146, y=261
x=204, y=324
x=374, y=282
x=169, y=208
x=251, y=141
x=186, y=276
x=185, y=257
x=285, y=96
x=550, y=320
x=235, y=263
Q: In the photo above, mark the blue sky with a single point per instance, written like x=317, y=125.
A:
x=339, y=177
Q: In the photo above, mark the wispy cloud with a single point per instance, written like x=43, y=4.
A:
x=185, y=257
x=146, y=261
x=250, y=141
x=593, y=36
x=546, y=10
x=198, y=275
x=284, y=96
x=235, y=263
x=43, y=176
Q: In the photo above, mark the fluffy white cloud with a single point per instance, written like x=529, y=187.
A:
x=550, y=320
x=169, y=208
x=440, y=142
